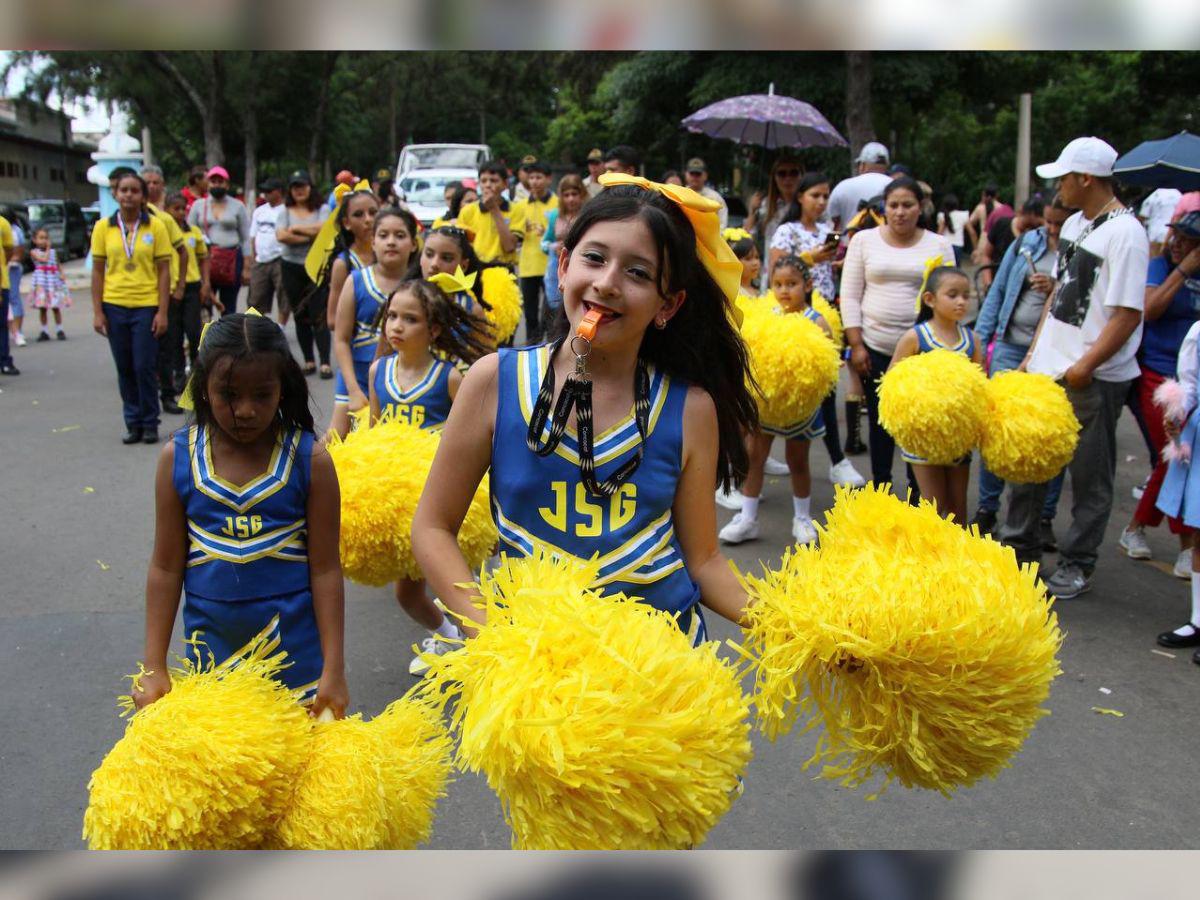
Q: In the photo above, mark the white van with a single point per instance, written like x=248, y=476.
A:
x=442, y=156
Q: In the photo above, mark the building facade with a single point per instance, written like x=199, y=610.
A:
x=38, y=157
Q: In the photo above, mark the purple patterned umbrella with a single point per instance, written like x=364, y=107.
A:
x=767, y=120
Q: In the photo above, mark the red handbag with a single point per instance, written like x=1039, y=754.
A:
x=222, y=261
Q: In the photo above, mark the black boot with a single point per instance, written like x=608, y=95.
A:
x=854, y=444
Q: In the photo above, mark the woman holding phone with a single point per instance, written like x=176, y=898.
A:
x=803, y=232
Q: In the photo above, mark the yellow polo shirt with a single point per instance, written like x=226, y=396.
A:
x=485, y=236
x=139, y=286
x=197, y=249
x=175, y=233
x=6, y=246
x=525, y=215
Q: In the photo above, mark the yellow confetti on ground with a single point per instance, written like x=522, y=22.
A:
x=89, y=490
x=104, y=567
x=1108, y=712
x=65, y=428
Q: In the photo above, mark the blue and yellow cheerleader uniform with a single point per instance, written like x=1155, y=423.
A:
x=368, y=301
x=542, y=500
x=926, y=341
x=247, y=558
x=812, y=428
x=426, y=404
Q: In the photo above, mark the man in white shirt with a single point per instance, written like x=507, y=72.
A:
x=266, y=278
x=695, y=176
x=1088, y=339
x=870, y=181
x=595, y=165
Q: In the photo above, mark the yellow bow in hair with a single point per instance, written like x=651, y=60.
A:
x=733, y=235
x=930, y=264
x=322, y=244
x=715, y=255
x=457, y=283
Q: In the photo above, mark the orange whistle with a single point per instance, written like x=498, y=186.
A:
x=591, y=322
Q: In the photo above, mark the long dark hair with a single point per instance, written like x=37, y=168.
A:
x=808, y=181
x=456, y=199
x=345, y=238
x=244, y=337
x=459, y=331
x=700, y=343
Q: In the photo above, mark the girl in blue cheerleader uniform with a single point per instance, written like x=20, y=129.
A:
x=628, y=475
x=944, y=300
x=246, y=524
x=364, y=294
x=428, y=336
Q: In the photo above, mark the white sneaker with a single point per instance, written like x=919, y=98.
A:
x=19, y=339
x=739, y=529
x=775, y=467
x=732, y=500
x=803, y=530
x=434, y=645
x=1140, y=489
x=1183, y=565
x=845, y=473
x=1134, y=544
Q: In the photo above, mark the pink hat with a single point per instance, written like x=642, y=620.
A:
x=217, y=170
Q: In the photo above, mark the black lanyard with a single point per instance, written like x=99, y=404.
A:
x=577, y=393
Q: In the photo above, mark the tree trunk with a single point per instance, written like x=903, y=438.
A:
x=250, y=152
x=859, y=129
x=393, y=112
x=206, y=106
x=316, y=148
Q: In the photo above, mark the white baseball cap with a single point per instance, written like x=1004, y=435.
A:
x=1084, y=156
x=873, y=152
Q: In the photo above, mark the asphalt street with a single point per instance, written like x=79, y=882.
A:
x=75, y=539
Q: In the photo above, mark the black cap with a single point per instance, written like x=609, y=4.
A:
x=300, y=176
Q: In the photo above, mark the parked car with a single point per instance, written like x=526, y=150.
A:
x=91, y=215
x=64, y=221
x=17, y=214
x=443, y=156
x=423, y=191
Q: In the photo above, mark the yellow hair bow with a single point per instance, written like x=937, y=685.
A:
x=714, y=253
x=456, y=283
x=930, y=264
x=322, y=244
x=733, y=235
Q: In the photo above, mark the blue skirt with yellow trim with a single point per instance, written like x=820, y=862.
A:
x=228, y=625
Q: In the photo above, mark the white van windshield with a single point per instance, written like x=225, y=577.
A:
x=45, y=213
x=443, y=157
x=426, y=190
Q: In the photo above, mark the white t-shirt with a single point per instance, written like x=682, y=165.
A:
x=847, y=194
x=262, y=231
x=1106, y=270
x=1156, y=211
x=956, y=222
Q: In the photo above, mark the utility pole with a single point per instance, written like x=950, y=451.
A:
x=1024, y=136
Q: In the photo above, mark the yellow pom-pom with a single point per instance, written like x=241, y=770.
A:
x=413, y=771
x=1031, y=431
x=382, y=471
x=794, y=363
x=501, y=292
x=593, y=718
x=369, y=785
x=934, y=405
x=209, y=766
x=832, y=317
x=924, y=650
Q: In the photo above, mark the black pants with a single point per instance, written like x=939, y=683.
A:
x=531, y=299
x=183, y=320
x=308, y=303
x=882, y=444
x=833, y=444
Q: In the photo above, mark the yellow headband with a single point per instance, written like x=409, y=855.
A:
x=715, y=255
x=322, y=244
x=185, y=399
x=456, y=283
x=930, y=264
